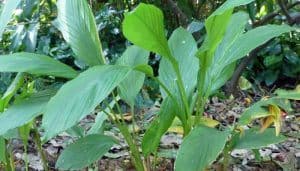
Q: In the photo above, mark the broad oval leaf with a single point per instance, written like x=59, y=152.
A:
x=78, y=97
x=183, y=47
x=35, y=64
x=235, y=28
x=131, y=85
x=253, y=139
x=84, y=152
x=200, y=148
x=216, y=23
x=24, y=111
x=6, y=13
x=144, y=26
x=76, y=22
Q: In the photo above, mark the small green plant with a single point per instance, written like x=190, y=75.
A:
x=187, y=78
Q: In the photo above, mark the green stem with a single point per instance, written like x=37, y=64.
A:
x=7, y=157
x=201, y=96
x=187, y=126
x=137, y=160
x=182, y=90
x=38, y=143
x=226, y=157
x=12, y=162
x=25, y=156
x=136, y=157
x=134, y=134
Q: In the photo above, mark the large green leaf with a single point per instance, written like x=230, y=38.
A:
x=253, y=139
x=158, y=127
x=35, y=64
x=24, y=111
x=216, y=26
x=84, y=152
x=183, y=47
x=235, y=28
x=217, y=22
x=6, y=13
x=234, y=47
x=2, y=150
x=76, y=22
x=144, y=26
x=78, y=97
x=132, y=84
x=200, y=148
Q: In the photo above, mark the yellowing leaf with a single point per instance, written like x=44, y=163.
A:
x=209, y=122
x=176, y=129
x=275, y=116
x=266, y=122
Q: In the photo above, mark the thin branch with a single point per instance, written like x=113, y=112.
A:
x=181, y=15
x=272, y=15
x=284, y=11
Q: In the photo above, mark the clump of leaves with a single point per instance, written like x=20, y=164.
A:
x=187, y=78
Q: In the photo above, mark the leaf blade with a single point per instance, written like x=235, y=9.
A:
x=131, y=85
x=35, y=64
x=76, y=22
x=208, y=141
x=90, y=91
x=84, y=152
x=253, y=139
x=23, y=112
x=150, y=31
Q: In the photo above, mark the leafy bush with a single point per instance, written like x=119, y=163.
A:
x=187, y=78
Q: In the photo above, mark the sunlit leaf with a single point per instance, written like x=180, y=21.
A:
x=244, y=84
x=144, y=26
